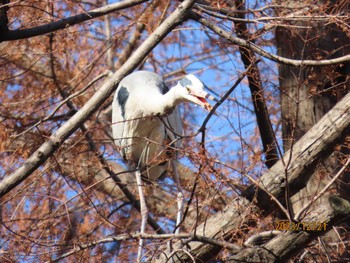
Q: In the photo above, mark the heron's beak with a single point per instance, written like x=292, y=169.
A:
x=204, y=103
x=212, y=98
x=202, y=98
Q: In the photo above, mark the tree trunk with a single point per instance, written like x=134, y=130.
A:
x=308, y=93
x=312, y=147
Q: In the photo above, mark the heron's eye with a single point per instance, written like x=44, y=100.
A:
x=188, y=90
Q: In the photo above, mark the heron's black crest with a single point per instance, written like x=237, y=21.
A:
x=185, y=82
x=122, y=97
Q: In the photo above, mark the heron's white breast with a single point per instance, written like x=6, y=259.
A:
x=145, y=140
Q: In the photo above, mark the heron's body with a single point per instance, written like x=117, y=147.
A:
x=138, y=127
x=146, y=124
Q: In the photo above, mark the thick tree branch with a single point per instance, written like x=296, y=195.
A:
x=67, y=22
x=315, y=144
x=106, y=89
x=284, y=246
x=301, y=160
x=94, y=148
x=125, y=237
x=323, y=191
x=3, y=16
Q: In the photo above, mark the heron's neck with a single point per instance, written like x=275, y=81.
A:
x=171, y=98
x=165, y=102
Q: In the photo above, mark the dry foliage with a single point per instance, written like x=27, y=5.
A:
x=72, y=208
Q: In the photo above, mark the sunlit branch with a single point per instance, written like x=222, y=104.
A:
x=307, y=152
x=188, y=237
x=228, y=14
x=255, y=183
x=323, y=191
x=257, y=238
x=94, y=148
x=250, y=45
x=108, y=32
x=288, y=243
x=106, y=89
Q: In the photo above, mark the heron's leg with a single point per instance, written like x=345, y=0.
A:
x=144, y=213
x=180, y=198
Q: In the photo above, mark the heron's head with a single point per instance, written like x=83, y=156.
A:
x=192, y=89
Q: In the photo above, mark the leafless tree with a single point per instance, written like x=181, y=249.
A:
x=266, y=177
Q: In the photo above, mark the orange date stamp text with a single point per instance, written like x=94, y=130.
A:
x=283, y=225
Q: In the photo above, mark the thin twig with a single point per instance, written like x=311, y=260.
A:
x=70, y=97
x=259, y=50
x=321, y=193
x=82, y=246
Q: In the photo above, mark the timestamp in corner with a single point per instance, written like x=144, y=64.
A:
x=283, y=225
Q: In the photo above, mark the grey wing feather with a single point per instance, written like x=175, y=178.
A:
x=118, y=123
x=174, y=126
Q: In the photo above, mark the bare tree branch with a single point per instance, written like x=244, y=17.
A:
x=67, y=22
x=3, y=15
x=315, y=144
x=282, y=247
x=124, y=237
x=255, y=85
x=250, y=45
x=323, y=191
x=106, y=89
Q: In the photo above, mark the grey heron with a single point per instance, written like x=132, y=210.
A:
x=146, y=127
